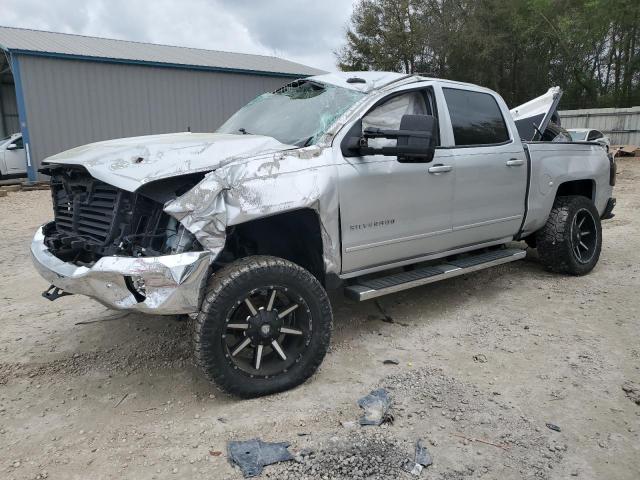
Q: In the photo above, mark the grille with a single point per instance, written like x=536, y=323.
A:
x=86, y=211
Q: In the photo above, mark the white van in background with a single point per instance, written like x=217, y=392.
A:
x=13, y=157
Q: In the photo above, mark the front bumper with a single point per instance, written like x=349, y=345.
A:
x=173, y=283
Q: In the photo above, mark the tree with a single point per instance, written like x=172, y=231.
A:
x=591, y=48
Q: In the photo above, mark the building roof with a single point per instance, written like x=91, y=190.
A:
x=37, y=42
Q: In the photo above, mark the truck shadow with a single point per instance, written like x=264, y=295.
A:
x=117, y=343
x=432, y=303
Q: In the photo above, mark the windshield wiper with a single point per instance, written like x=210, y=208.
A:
x=244, y=131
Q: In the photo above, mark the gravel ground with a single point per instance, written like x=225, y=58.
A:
x=485, y=362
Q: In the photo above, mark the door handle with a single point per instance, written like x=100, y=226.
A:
x=515, y=162
x=439, y=168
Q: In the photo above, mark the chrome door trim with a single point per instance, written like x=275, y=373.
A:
x=487, y=222
x=382, y=243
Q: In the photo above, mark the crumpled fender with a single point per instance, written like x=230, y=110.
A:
x=265, y=186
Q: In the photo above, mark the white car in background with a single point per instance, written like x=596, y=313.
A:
x=589, y=135
x=13, y=159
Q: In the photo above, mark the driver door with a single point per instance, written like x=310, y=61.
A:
x=392, y=211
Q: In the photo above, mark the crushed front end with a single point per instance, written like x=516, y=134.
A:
x=119, y=247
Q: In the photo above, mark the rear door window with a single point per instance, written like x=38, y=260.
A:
x=475, y=117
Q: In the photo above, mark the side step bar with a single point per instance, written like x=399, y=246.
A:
x=376, y=287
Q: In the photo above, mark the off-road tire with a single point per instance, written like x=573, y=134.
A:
x=223, y=291
x=554, y=240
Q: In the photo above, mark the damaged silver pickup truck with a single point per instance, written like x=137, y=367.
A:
x=375, y=182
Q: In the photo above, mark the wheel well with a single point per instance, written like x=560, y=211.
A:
x=294, y=236
x=585, y=188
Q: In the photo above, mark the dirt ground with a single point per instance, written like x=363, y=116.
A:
x=86, y=392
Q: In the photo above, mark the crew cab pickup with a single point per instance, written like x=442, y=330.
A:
x=370, y=181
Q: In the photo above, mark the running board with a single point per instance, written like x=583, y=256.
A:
x=376, y=287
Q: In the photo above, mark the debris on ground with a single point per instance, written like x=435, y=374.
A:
x=253, y=455
x=412, y=467
x=421, y=459
x=632, y=390
x=375, y=406
x=385, y=317
x=391, y=361
x=479, y=440
x=121, y=400
x=553, y=427
x=480, y=358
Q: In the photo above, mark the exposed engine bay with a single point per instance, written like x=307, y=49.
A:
x=93, y=219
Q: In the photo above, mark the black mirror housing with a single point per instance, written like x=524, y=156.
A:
x=416, y=139
x=417, y=124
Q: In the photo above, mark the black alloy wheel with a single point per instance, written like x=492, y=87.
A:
x=571, y=240
x=264, y=326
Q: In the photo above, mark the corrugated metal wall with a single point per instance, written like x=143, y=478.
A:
x=74, y=102
x=621, y=125
x=9, y=122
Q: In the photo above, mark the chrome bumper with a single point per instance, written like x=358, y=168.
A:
x=173, y=283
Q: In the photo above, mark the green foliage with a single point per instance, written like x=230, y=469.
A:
x=591, y=48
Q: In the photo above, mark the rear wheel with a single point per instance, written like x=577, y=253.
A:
x=264, y=326
x=571, y=240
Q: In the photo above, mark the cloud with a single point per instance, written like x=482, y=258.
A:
x=304, y=31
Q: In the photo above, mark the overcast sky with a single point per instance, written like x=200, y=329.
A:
x=305, y=31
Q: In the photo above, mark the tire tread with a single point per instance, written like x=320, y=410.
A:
x=218, y=293
x=553, y=242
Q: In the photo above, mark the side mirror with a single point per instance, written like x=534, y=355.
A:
x=13, y=146
x=419, y=142
x=415, y=140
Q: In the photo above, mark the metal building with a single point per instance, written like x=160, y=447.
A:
x=621, y=125
x=65, y=90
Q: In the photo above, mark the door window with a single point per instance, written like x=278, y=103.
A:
x=475, y=117
x=19, y=144
x=387, y=116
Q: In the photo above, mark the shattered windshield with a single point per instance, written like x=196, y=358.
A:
x=297, y=114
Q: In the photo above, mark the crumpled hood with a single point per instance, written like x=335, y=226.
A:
x=129, y=163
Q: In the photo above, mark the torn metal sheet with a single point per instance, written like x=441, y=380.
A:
x=172, y=283
x=412, y=467
x=277, y=183
x=375, y=406
x=252, y=456
x=423, y=457
x=421, y=460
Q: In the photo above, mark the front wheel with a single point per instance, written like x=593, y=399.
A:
x=571, y=240
x=264, y=326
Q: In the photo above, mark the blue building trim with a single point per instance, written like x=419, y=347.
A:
x=68, y=56
x=22, y=115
